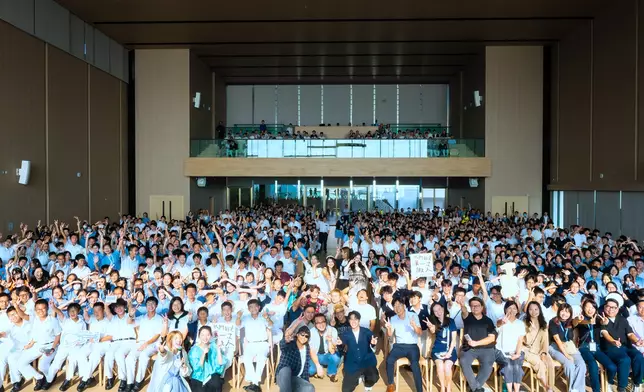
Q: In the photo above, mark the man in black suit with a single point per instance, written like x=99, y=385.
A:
x=359, y=359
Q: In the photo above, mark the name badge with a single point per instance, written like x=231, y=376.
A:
x=592, y=346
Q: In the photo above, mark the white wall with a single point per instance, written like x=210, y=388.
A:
x=264, y=105
x=332, y=104
x=336, y=104
x=386, y=103
x=362, y=104
x=287, y=104
x=239, y=105
x=514, y=123
x=310, y=104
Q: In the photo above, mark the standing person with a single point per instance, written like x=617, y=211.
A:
x=478, y=343
x=511, y=334
x=292, y=370
x=563, y=349
x=323, y=236
x=535, y=347
x=171, y=366
x=444, y=349
x=45, y=338
x=359, y=359
x=208, y=362
x=406, y=327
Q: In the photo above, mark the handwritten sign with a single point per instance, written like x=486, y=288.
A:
x=422, y=265
x=226, y=334
x=74, y=339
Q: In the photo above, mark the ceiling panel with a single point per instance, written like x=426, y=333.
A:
x=338, y=71
x=150, y=10
x=335, y=41
x=338, y=31
x=336, y=60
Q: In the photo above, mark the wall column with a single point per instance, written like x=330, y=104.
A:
x=514, y=123
x=162, y=83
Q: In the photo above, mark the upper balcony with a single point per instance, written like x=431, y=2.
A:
x=435, y=157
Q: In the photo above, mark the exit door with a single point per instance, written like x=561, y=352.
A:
x=509, y=204
x=169, y=206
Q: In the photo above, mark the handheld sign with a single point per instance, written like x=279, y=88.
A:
x=422, y=265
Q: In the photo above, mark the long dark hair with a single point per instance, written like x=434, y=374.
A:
x=434, y=320
x=171, y=313
x=541, y=321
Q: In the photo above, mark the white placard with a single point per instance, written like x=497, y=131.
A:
x=226, y=334
x=422, y=265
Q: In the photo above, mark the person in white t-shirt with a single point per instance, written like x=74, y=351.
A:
x=510, y=342
x=367, y=311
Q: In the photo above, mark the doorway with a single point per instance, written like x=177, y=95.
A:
x=338, y=200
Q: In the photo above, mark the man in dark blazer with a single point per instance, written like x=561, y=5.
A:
x=360, y=357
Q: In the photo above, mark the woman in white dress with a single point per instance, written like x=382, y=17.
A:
x=171, y=366
x=313, y=272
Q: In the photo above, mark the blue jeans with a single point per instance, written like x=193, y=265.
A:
x=331, y=361
x=591, y=359
x=637, y=362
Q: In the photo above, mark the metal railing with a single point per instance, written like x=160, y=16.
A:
x=338, y=148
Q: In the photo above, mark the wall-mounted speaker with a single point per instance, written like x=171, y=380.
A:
x=23, y=172
x=474, y=182
x=478, y=98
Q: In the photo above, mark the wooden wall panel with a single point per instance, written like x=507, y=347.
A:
x=104, y=144
x=338, y=167
x=614, y=88
x=22, y=126
x=573, y=144
x=125, y=164
x=68, y=144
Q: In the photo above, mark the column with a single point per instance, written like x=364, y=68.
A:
x=514, y=123
x=162, y=125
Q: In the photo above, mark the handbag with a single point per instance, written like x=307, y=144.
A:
x=570, y=347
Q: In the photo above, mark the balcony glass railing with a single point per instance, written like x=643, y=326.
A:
x=338, y=148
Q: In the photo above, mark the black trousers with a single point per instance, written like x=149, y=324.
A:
x=215, y=384
x=351, y=380
x=323, y=237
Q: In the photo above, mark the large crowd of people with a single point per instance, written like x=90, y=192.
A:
x=255, y=290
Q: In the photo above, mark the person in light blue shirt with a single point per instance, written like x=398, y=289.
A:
x=111, y=257
x=574, y=296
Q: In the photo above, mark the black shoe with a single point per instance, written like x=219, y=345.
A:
x=129, y=388
x=81, y=386
x=38, y=384
x=109, y=384
x=136, y=387
x=16, y=387
x=90, y=383
x=46, y=385
x=65, y=385
x=123, y=387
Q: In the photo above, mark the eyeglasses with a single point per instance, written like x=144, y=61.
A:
x=610, y=307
